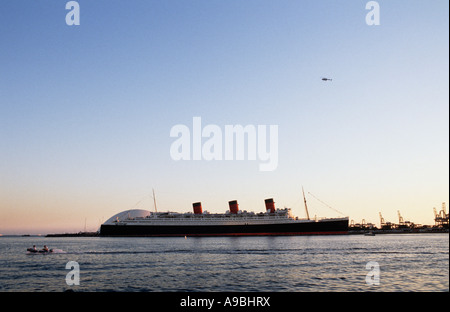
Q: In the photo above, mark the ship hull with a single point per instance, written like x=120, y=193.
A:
x=290, y=228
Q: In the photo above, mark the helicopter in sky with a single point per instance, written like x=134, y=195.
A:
x=327, y=79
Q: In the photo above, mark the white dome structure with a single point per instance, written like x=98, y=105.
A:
x=128, y=214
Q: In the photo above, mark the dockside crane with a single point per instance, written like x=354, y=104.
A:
x=400, y=219
x=385, y=225
x=436, y=215
x=402, y=223
x=444, y=212
x=441, y=219
x=382, y=223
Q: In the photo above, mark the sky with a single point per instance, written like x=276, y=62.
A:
x=86, y=110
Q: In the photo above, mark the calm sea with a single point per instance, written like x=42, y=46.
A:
x=407, y=262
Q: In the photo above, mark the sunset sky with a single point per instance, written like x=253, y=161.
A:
x=86, y=111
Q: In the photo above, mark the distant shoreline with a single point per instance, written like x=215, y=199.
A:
x=79, y=234
x=399, y=231
x=350, y=232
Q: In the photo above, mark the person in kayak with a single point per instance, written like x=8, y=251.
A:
x=34, y=248
x=45, y=248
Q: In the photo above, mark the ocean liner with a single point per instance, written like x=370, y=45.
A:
x=274, y=221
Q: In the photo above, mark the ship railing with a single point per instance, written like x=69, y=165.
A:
x=209, y=218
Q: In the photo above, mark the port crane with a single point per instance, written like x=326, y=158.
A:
x=400, y=218
x=385, y=225
x=363, y=225
x=382, y=222
x=402, y=223
x=441, y=218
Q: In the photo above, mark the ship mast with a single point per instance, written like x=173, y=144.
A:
x=306, y=206
x=154, y=199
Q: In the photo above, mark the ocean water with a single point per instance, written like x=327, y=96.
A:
x=336, y=263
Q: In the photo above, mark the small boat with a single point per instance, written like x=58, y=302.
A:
x=370, y=233
x=42, y=251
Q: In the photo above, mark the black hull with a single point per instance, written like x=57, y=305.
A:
x=291, y=228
